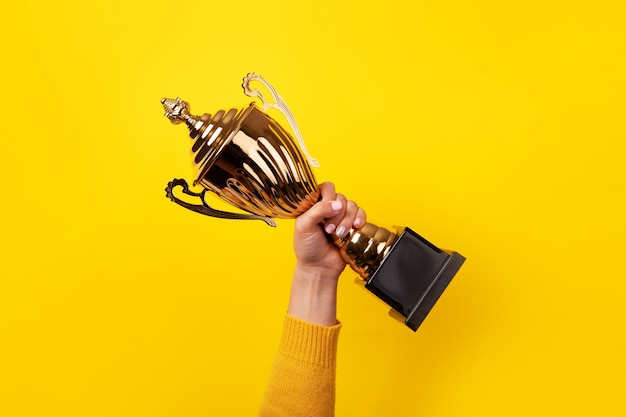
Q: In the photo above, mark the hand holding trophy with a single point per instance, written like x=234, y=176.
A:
x=249, y=160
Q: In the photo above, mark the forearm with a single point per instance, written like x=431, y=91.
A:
x=302, y=383
x=313, y=295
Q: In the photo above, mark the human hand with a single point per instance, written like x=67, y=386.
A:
x=318, y=260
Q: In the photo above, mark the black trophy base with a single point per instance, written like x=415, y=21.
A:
x=413, y=276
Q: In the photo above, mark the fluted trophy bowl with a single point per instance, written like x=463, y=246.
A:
x=249, y=160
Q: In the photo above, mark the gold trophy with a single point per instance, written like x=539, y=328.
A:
x=250, y=161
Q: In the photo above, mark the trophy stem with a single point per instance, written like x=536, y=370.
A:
x=364, y=249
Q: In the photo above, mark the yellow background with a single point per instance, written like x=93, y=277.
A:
x=492, y=128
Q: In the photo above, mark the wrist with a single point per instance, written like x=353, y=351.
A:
x=324, y=275
x=314, y=295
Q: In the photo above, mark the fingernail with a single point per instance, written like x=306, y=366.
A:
x=330, y=228
x=336, y=205
x=341, y=231
x=358, y=222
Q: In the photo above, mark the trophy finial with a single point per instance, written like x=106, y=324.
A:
x=176, y=110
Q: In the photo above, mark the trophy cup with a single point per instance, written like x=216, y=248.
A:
x=250, y=161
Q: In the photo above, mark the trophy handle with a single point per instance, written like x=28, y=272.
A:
x=205, y=208
x=279, y=105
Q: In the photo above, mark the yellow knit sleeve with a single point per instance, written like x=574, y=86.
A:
x=302, y=379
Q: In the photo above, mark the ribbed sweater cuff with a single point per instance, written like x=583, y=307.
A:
x=310, y=343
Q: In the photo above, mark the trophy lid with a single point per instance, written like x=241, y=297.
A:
x=209, y=132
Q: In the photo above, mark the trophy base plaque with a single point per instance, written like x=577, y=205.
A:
x=413, y=276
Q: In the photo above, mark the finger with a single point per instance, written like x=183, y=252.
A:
x=327, y=191
x=332, y=223
x=361, y=218
x=347, y=221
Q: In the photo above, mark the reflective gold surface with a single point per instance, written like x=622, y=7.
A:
x=248, y=160
x=365, y=248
